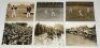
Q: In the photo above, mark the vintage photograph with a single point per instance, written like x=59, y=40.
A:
x=80, y=11
x=81, y=34
x=49, y=33
x=20, y=11
x=17, y=33
x=49, y=11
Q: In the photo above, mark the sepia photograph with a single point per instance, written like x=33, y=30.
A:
x=49, y=11
x=17, y=33
x=49, y=33
x=81, y=34
x=20, y=11
x=80, y=11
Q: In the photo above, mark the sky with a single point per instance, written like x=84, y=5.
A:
x=50, y=23
x=77, y=24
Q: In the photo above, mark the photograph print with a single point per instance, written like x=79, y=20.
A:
x=80, y=11
x=20, y=11
x=49, y=11
x=17, y=33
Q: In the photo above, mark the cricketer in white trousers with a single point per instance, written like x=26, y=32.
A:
x=28, y=14
x=13, y=13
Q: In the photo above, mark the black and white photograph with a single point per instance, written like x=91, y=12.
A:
x=17, y=33
x=49, y=24
x=80, y=11
x=49, y=11
x=49, y=33
x=81, y=34
x=20, y=11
